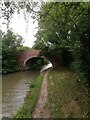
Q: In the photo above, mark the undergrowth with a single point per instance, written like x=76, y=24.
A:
x=66, y=97
x=31, y=99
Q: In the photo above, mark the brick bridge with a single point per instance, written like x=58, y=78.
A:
x=26, y=58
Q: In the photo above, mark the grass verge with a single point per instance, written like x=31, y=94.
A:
x=31, y=99
x=66, y=97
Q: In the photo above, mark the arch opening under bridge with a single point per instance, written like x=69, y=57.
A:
x=35, y=63
x=28, y=59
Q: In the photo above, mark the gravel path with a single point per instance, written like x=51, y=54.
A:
x=42, y=99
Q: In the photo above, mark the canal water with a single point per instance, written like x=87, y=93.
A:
x=14, y=89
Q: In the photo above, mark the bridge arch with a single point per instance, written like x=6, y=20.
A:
x=27, y=56
x=30, y=62
x=28, y=59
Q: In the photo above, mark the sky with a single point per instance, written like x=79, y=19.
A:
x=19, y=26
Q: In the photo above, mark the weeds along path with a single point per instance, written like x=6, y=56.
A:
x=67, y=98
x=61, y=96
x=39, y=109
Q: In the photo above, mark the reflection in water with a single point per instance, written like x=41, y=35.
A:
x=14, y=90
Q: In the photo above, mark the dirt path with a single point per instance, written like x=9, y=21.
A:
x=39, y=109
x=67, y=99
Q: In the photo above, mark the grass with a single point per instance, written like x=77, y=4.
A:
x=31, y=99
x=66, y=98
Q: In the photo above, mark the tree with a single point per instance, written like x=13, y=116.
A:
x=8, y=8
x=63, y=27
x=10, y=42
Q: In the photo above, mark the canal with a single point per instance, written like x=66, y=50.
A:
x=14, y=90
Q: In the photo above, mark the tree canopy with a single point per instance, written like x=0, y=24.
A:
x=8, y=8
x=64, y=27
x=10, y=44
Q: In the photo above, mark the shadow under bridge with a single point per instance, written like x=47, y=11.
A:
x=35, y=63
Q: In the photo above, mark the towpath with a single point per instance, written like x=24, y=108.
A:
x=39, y=109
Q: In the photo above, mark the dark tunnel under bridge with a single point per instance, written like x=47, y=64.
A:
x=35, y=63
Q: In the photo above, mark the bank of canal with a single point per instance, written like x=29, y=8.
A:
x=15, y=87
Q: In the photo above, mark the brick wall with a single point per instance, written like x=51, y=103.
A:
x=24, y=55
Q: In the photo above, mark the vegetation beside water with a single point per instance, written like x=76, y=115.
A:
x=12, y=45
x=31, y=99
x=66, y=97
x=64, y=31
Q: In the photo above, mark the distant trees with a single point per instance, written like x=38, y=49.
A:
x=64, y=28
x=11, y=47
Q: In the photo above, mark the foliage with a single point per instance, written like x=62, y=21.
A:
x=26, y=8
x=10, y=42
x=31, y=99
x=23, y=48
x=63, y=28
x=1, y=51
x=64, y=94
x=36, y=63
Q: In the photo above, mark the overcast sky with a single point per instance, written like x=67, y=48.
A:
x=18, y=24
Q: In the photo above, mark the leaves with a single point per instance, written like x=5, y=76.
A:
x=64, y=26
x=8, y=8
x=10, y=43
